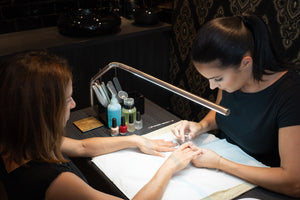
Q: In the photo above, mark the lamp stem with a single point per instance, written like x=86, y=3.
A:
x=156, y=81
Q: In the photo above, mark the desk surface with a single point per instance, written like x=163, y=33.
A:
x=153, y=115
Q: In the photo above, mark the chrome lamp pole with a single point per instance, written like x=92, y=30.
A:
x=156, y=81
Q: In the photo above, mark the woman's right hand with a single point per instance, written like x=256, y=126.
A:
x=192, y=129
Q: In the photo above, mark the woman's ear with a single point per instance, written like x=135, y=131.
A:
x=246, y=62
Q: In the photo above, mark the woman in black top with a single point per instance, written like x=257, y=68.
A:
x=236, y=55
x=36, y=99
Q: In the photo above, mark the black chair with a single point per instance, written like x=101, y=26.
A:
x=2, y=191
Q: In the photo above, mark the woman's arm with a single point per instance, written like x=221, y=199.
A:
x=208, y=123
x=178, y=160
x=193, y=128
x=102, y=145
x=284, y=179
x=69, y=186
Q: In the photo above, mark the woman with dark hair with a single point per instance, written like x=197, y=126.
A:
x=36, y=99
x=236, y=55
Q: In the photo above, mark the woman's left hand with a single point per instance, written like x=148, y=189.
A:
x=155, y=147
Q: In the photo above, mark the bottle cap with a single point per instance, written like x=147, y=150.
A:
x=122, y=95
x=131, y=118
x=123, y=121
x=138, y=116
x=129, y=103
x=114, y=122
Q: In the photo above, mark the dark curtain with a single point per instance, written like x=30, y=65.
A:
x=282, y=18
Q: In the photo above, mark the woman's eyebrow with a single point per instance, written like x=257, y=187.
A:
x=214, y=77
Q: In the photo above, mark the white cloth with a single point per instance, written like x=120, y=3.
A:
x=130, y=170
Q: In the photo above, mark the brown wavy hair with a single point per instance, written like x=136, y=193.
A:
x=32, y=106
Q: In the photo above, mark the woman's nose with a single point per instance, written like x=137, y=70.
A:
x=73, y=103
x=212, y=84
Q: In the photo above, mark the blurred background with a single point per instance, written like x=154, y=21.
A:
x=20, y=15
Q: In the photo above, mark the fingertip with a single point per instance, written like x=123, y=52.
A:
x=192, y=145
x=172, y=142
x=161, y=155
x=186, y=144
x=181, y=146
x=170, y=149
x=200, y=151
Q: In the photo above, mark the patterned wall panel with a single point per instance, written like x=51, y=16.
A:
x=282, y=18
x=288, y=18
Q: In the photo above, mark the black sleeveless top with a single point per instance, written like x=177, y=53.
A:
x=255, y=118
x=31, y=180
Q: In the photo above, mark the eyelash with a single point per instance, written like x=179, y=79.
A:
x=219, y=79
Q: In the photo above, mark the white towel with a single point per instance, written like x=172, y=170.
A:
x=130, y=170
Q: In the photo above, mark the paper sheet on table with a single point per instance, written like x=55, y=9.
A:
x=130, y=170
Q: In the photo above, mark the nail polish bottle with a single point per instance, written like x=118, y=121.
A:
x=138, y=121
x=130, y=125
x=114, y=129
x=123, y=126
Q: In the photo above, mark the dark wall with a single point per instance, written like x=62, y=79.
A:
x=20, y=15
x=147, y=51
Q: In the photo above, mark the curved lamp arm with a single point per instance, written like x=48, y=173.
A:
x=156, y=81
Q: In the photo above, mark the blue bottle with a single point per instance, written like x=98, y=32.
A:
x=113, y=111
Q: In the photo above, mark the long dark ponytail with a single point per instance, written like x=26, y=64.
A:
x=264, y=54
x=229, y=38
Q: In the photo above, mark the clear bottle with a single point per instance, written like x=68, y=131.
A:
x=138, y=121
x=130, y=125
x=114, y=111
x=129, y=108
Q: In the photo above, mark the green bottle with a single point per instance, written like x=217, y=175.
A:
x=129, y=108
